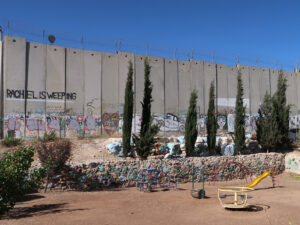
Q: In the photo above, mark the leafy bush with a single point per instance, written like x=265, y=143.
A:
x=11, y=141
x=53, y=156
x=51, y=136
x=14, y=182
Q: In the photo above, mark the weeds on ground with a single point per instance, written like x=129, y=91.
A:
x=11, y=141
x=51, y=136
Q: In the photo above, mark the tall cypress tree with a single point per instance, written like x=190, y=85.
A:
x=211, y=120
x=128, y=112
x=281, y=111
x=146, y=139
x=239, y=125
x=191, y=125
x=264, y=125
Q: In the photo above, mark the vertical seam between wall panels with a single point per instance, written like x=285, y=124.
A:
x=134, y=88
x=101, y=91
x=65, y=105
x=2, y=92
x=164, y=60
x=26, y=84
x=249, y=79
x=217, y=93
x=45, y=104
x=118, y=91
x=270, y=81
x=83, y=87
x=204, y=88
x=178, y=94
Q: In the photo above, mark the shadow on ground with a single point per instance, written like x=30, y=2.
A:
x=38, y=210
x=252, y=208
x=31, y=197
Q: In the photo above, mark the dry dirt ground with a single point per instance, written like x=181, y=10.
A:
x=279, y=205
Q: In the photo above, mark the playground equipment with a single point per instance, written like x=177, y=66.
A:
x=240, y=197
x=258, y=179
x=240, y=193
x=149, y=179
x=198, y=193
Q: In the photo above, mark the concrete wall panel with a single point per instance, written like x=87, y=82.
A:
x=245, y=71
x=291, y=92
x=55, y=79
x=158, y=80
x=232, y=73
x=273, y=80
x=36, y=103
x=222, y=88
x=255, y=88
x=123, y=62
x=185, y=86
x=210, y=75
x=75, y=82
x=92, y=87
x=197, y=83
x=14, y=75
x=110, y=98
x=171, y=87
x=36, y=79
x=14, y=82
x=265, y=85
x=139, y=82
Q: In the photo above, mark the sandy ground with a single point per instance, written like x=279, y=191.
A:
x=279, y=205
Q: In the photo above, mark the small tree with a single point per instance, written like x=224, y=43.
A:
x=53, y=156
x=146, y=139
x=211, y=120
x=281, y=111
x=191, y=125
x=264, y=124
x=239, y=125
x=128, y=112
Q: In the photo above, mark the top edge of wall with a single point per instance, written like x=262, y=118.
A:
x=6, y=37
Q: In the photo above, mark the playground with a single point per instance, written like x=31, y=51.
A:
x=268, y=205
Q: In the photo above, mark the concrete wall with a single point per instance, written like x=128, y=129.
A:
x=78, y=92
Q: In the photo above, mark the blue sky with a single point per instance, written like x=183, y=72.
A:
x=265, y=32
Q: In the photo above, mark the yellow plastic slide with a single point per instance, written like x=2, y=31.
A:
x=258, y=179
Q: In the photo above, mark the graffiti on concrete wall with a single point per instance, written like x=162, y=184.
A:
x=230, y=119
x=294, y=121
x=35, y=125
x=110, y=122
x=222, y=122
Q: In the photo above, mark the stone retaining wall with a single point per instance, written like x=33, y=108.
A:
x=106, y=174
x=292, y=162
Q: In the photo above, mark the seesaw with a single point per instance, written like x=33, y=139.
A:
x=240, y=193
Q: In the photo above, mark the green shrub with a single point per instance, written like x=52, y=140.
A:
x=15, y=180
x=11, y=141
x=51, y=136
